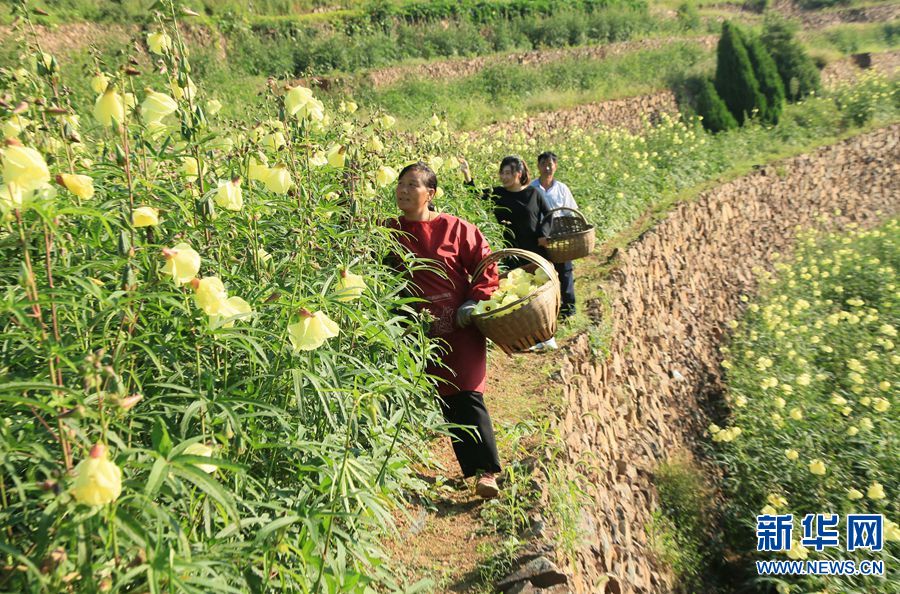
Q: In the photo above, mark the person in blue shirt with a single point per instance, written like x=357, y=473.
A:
x=557, y=195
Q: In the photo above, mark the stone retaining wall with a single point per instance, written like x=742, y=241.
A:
x=671, y=298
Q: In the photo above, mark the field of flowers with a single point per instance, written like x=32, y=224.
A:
x=210, y=378
x=813, y=372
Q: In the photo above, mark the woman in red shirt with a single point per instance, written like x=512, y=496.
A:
x=456, y=247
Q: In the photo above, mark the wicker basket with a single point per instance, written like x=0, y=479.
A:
x=570, y=237
x=531, y=319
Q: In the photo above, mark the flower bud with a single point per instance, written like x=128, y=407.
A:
x=98, y=481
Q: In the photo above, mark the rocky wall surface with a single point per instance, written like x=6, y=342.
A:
x=671, y=297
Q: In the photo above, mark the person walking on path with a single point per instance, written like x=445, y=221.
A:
x=558, y=195
x=521, y=209
x=455, y=247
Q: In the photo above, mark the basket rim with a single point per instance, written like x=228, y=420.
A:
x=575, y=210
x=518, y=303
x=542, y=263
x=553, y=238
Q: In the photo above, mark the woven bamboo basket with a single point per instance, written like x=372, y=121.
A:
x=528, y=321
x=570, y=237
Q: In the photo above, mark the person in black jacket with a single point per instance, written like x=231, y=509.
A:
x=522, y=210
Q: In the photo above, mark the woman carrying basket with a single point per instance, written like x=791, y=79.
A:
x=456, y=247
x=521, y=209
x=558, y=195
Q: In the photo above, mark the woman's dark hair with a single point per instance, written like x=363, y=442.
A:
x=428, y=173
x=518, y=165
x=547, y=155
x=421, y=166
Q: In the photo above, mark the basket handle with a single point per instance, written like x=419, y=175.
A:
x=575, y=210
x=508, y=252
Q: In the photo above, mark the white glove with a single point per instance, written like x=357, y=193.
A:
x=464, y=313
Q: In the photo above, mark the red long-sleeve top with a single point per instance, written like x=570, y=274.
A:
x=457, y=247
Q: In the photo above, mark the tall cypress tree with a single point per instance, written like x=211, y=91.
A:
x=735, y=81
x=767, y=76
x=716, y=116
x=797, y=70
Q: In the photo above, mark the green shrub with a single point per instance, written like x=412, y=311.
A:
x=766, y=73
x=758, y=6
x=712, y=109
x=688, y=16
x=799, y=74
x=735, y=80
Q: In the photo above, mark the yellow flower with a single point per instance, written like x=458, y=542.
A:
x=350, y=286
x=816, y=466
x=189, y=91
x=875, y=491
x=312, y=330
x=98, y=481
x=14, y=125
x=881, y=404
x=159, y=42
x=791, y=454
x=713, y=428
x=375, y=145
x=263, y=255
x=209, y=294
x=213, y=106
x=797, y=551
x=385, y=176
x=201, y=449
x=888, y=330
x=866, y=424
x=109, y=108
x=278, y=179
x=884, y=386
x=182, y=263
x=24, y=167
x=796, y=414
x=273, y=140
x=436, y=163
x=854, y=494
x=780, y=402
x=99, y=83
x=351, y=106
x=777, y=500
x=337, y=156
x=80, y=185
x=387, y=121
x=891, y=530
x=229, y=195
x=740, y=401
x=190, y=168
x=803, y=379
x=145, y=216
x=156, y=106
x=232, y=309
x=769, y=510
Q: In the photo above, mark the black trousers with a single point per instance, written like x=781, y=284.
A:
x=565, y=270
x=475, y=449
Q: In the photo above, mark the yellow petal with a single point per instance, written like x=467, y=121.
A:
x=182, y=263
x=98, y=481
x=24, y=167
x=145, y=216
x=229, y=195
x=210, y=294
x=350, y=286
x=80, y=185
x=312, y=331
x=201, y=449
x=109, y=108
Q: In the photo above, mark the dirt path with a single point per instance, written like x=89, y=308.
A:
x=672, y=293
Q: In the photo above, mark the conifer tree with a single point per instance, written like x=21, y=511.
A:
x=767, y=76
x=797, y=70
x=710, y=106
x=735, y=81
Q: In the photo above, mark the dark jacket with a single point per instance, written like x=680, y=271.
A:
x=521, y=214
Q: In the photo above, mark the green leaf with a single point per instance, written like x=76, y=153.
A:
x=156, y=475
x=162, y=443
